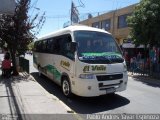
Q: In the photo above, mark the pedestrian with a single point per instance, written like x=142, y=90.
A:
x=152, y=60
x=148, y=63
x=139, y=56
x=126, y=58
x=131, y=64
x=7, y=54
x=6, y=66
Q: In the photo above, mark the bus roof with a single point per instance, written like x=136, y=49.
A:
x=71, y=29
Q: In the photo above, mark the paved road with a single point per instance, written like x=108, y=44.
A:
x=142, y=96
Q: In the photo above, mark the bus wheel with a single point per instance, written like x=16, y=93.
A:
x=66, y=87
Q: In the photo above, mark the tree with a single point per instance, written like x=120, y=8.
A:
x=144, y=23
x=19, y=30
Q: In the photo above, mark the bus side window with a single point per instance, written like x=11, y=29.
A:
x=65, y=43
x=39, y=46
x=49, y=45
x=35, y=46
x=44, y=45
x=68, y=53
x=55, y=46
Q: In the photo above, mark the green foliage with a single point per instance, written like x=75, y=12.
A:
x=31, y=45
x=19, y=30
x=145, y=24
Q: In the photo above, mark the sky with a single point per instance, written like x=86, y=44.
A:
x=57, y=12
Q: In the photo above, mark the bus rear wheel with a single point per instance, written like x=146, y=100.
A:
x=66, y=88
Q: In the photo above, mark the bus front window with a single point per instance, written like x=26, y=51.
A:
x=97, y=47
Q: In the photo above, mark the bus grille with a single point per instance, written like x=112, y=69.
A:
x=109, y=77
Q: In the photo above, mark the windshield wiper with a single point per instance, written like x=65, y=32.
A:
x=103, y=58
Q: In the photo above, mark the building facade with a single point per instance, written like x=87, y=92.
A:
x=113, y=22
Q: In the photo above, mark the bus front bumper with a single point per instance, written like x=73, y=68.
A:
x=93, y=87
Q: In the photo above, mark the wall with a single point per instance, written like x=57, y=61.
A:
x=118, y=33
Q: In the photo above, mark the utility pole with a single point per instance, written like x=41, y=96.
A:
x=113, y=29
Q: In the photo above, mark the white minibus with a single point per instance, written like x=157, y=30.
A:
x=84, y=61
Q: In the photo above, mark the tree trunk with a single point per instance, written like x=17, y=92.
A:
x=15, y=72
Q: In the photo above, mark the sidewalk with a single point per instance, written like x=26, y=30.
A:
x=24, y=98
x=145, y=79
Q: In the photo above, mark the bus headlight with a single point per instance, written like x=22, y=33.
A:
x=87, y=76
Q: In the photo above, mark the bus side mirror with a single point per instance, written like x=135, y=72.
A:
x=73, y=46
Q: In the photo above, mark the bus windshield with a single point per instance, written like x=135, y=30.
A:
x=97, y=46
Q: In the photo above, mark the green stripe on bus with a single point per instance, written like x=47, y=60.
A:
x=54, y=71
x=101, y=54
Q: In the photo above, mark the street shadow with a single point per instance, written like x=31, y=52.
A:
x=13, y=97
x=147, y=80
x=17, y=79
x=16, y=112
x=82, y=105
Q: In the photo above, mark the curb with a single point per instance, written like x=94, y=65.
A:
x=142, y=76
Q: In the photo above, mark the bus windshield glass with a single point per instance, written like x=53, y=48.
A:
x=96, y=47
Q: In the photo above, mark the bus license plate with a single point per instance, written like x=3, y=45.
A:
x=110, y=90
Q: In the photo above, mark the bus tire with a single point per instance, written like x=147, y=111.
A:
x=66, y=87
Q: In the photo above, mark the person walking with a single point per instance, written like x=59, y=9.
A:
x=6, y=66
x=131, y=64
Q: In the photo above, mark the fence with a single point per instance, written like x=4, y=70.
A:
x=143, y=67
x=24, y=64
